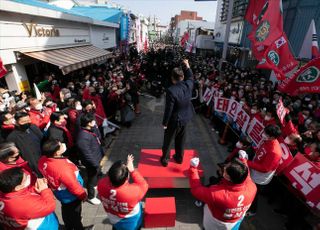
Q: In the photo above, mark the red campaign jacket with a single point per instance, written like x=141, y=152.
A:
x=257, y=116
x=24, y=165
x=40, y=118
x=233, y=154
x=270, y=122
x=288, y=129
x=63, y=177
x=267, y=157
x=73, y=115
x=21, y=209
x=226, y=201
x=99, y=106
x=122, y=201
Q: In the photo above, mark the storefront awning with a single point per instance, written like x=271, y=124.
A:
x=70, y=59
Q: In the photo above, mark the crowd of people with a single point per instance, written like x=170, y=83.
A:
x=45, y=140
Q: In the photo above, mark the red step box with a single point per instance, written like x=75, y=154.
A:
x=173, y=176
x=160, y=212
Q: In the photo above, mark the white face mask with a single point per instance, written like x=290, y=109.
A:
x=239, y=145
x=5, y=96
x=288, y=141
x=267, y=118
x=27, y=182
x=63, y=148
x=78, y=107
x=38, y=107
x=264, y=136
x=2, y=107
x=253, y=111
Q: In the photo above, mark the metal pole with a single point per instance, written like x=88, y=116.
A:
x=226, y=36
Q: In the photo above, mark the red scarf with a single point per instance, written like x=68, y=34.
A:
x=69, y=136
x=8, y=127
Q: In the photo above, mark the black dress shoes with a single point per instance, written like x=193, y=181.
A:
x=164, y=162
x=177, y=159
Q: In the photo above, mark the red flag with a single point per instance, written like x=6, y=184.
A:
x=305, y=80
x=278, y=57
x=268, y=26
x=184, y=39
x=255, y=10
x=3, y=70
x=145, y=45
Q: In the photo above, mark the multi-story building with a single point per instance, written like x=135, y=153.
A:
x=237, y=22
x=184, y=15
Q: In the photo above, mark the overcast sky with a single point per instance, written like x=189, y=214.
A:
x=165, y=9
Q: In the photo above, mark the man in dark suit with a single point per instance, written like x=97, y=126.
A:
x=91, y=153
x=178, y=112
x=28, y=139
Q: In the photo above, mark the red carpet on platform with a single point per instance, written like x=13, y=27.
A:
x=173, y=176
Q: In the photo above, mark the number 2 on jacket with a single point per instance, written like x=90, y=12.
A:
x=113, y=194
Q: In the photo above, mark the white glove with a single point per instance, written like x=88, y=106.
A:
x=195, y=162
x=243, y=154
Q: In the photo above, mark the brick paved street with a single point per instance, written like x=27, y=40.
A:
x=146, y=132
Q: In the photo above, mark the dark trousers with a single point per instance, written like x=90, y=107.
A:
x=92, y=173
x=178, y=133
x=71, y=215
x=254, y=205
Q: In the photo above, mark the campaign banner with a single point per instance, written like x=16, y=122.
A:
x=286, y=157
x=281, y=111
x=305, y=80
x=233, y=108
x=278, y=57
x=242, y=120
x=255, y=131
x=255, y=11
x=267, y=27
x=221, y=104
x=207, y=96
x=304, y=176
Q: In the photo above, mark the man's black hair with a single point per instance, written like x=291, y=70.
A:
x=245, y=141
x=272, y=131
x=10, y=178
x=86, y=103
x=177, y=74
x=237, y=171
x=118, y=173
x=6, y=150
x=19, y=115
x=3, y=117
x=86, y=119
x=55, y=117
x=50, y=147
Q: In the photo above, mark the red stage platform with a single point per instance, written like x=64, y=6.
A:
x=173, y=176
x=160, y=212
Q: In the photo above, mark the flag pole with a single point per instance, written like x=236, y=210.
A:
x=226, y=35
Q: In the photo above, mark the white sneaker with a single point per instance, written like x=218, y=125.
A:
x=94, y=201
x=198, y=203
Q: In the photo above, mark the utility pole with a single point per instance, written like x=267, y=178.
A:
x=227, y=33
